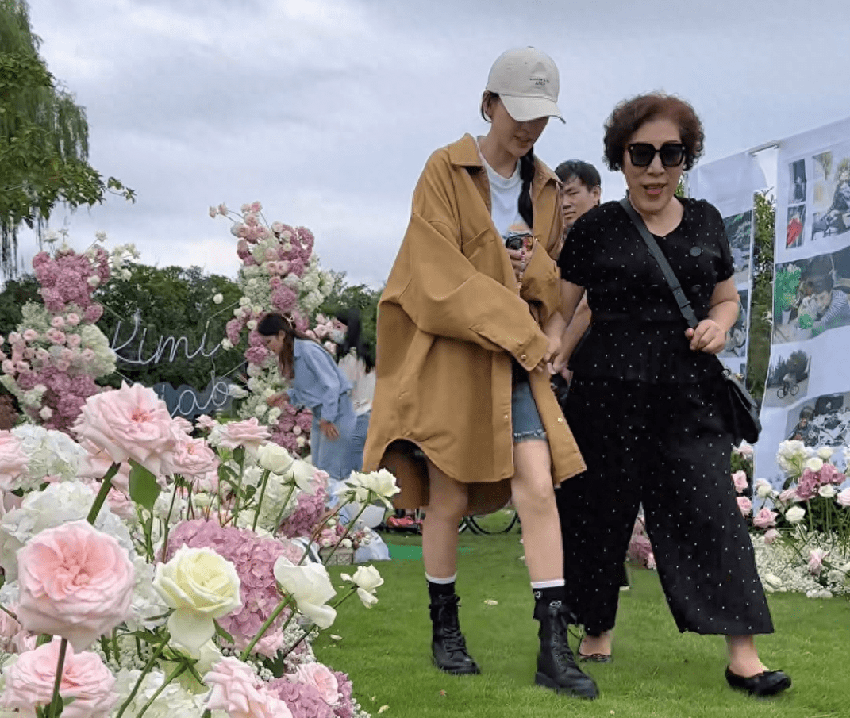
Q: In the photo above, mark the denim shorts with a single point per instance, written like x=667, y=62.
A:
x=525, y=419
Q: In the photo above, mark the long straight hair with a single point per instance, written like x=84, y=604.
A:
x=271, y=325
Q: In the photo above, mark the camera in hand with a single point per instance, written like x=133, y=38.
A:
x=516, y=240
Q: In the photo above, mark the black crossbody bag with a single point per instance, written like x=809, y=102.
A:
x=743, y=410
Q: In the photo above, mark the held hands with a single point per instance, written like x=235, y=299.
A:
x=328, y=428
x=706, y=337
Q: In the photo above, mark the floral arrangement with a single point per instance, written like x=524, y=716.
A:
x=51, y=363
x=801, y=534
x=279, y=273
x=149, y=572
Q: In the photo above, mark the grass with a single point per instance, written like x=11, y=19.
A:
x=656, y=671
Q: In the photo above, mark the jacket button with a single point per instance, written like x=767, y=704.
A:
x=522, y=357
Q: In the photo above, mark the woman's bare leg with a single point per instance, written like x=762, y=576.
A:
x=534, y=499
x=447, y=506
x=743, y=657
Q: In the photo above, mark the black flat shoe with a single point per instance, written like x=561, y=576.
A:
x=594, y=657
x=766, y=683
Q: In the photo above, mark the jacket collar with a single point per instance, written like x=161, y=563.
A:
x=464, y=153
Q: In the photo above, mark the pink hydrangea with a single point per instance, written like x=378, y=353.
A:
x=75, y=582
x=29, y=682
x=309, y=509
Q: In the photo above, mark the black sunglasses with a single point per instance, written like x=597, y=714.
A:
x=642, y=153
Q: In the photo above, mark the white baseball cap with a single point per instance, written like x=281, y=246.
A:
x=527, y=82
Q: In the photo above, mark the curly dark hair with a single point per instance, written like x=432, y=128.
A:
x=630, y=114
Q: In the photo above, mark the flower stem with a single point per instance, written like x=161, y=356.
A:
x=10, y=613
x=265, y=627
x=167, y=520
x=105, y=485
x=283, y=508
x=54, y=701
x=156, y=654
x=348, y=527
x=266, y=473
x=171, y=676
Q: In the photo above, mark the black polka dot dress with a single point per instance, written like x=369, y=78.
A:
x=649, y=417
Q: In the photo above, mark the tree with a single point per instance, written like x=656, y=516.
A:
x=764, y=205
x=176, y=335
x=43, y=139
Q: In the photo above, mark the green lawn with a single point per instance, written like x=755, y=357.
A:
x=656, y=670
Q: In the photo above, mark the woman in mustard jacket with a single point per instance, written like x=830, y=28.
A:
x=463, y=412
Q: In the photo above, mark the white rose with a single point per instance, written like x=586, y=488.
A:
x=201, y=586
x=814, y=464
x=302, y=473
x=795, y=514
x=226, y=344
x=300, y=441
x=825, y=453
x=367, y=579
x=827, y=491
x=310, y=587
x=380, y=485
x=218, y=298
x=762, y=488
x=274, y=458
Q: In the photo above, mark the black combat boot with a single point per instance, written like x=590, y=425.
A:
x=556, y=666
x=449, y=646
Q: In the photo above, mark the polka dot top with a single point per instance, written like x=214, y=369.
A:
x=637, y=331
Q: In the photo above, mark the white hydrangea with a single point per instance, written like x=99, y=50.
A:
x=57, y=504
x=175, y=699
x=51, y=453
x=147, y=608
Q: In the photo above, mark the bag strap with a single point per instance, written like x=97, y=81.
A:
x=666, y=269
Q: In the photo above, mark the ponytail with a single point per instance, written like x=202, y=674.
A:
x=526, y=173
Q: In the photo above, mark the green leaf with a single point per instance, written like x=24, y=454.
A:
x=143, y=487
x=224, y=634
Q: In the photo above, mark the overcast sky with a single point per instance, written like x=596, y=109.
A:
x=326, y=110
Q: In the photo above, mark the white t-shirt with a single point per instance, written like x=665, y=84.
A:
x=362, y=382
x=504, y=198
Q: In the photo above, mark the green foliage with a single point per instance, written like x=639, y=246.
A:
x=171, y=302
x=15, y=294
x=43, y=138
x=143, y=487
x=357, y=297
x=764, y=205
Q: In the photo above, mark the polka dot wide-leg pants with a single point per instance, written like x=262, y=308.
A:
x=665, y=446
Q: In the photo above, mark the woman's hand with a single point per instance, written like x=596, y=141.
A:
x=278, y=400
x=328, y=428
x=706, y=337
x=520, y=259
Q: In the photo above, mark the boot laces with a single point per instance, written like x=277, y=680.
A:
x=454, y=642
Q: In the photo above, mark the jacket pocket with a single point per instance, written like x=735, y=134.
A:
x=471, y=246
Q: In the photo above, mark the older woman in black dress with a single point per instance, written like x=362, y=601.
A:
x=646, y=402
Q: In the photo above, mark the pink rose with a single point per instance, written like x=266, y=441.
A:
x=235, y=688
x=129, y=423
x=249, y=433
x=30, y=335
x=193, y=458
x=321, y=678
x=744, y=505
x=770, y=536
x=29, y=683
x=75, y=582
x=57, y=322
x=765, y=518
x=13, y=460
x=205, y=422
x=788, y=496
x=739, y=478
x=816, y=558
x=843, y=498
x=73, y=319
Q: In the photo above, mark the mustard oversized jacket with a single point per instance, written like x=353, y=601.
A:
x=449, y=319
